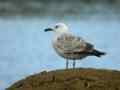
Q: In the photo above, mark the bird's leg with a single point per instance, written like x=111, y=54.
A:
x=67, y=63
x=74, y=64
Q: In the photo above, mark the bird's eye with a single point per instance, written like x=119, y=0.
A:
x=56, y=26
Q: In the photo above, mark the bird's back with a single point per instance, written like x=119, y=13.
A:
x=67, y=46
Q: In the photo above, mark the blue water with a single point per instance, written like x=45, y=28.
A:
x=26, y=49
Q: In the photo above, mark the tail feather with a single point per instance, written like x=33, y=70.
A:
x=98, y=53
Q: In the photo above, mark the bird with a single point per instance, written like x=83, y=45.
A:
x=71, y=47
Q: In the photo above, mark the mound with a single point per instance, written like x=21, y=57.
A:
x=77, y=79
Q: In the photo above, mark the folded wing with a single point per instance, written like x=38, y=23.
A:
x=71, y=44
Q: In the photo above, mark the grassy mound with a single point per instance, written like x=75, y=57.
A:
x=77, y=79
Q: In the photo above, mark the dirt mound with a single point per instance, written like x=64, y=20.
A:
x=77, y=79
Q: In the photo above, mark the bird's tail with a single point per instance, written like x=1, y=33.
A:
x=98, y=53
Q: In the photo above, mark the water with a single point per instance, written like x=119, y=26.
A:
x=26, y=49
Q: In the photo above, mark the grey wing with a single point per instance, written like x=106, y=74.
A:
x=70, y=43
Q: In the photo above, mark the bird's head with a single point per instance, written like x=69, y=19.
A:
x=58, y=28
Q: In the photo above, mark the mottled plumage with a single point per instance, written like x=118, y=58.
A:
x=71, y=47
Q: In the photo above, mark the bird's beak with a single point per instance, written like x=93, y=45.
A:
x=48, y=29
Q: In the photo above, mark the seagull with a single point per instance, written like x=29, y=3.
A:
x=71, y=47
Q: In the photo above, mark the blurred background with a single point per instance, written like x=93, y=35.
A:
x=26, y=49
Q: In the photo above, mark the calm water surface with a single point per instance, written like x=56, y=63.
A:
x=26, y=49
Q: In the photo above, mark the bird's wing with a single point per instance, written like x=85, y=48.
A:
x=70, y=43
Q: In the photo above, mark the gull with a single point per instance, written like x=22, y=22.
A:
x=71, y=47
